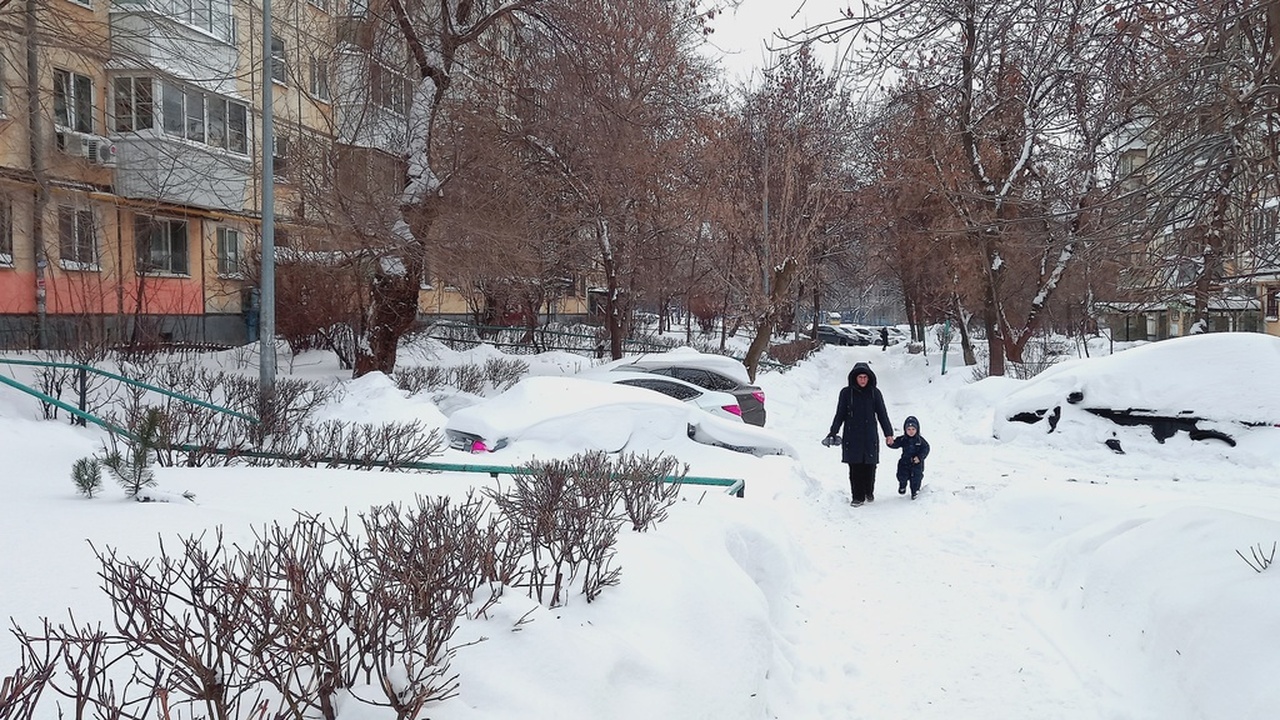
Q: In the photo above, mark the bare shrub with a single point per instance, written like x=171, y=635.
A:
x=790, y=353
x=362, y=446
x=190, y=614
x=1261, y=559
x=468, y=378
x=420, y=378
x=980, y=371
x=502, y=373
x=566, y=509
x=1038, y=356
x=646, y=492
x=21, y=689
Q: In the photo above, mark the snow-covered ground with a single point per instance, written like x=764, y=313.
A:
x=1030, y=579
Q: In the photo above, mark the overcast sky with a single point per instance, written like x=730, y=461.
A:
x=740, y=34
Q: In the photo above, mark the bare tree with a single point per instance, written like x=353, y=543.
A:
x=622, y=92
x=788, y=187
x=1031, y=95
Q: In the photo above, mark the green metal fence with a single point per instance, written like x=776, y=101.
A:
x=734, y=486
x=542, y=339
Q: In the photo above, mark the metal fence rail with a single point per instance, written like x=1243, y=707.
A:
x=734, y=486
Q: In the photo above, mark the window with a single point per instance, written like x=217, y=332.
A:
x=77, y=247
x=390, y=89
x=319, y=78
x=132, y=109
x=161, y=245
x=321, y=4
x=190, y=114
x=279, y=65
x=73, y=101
x=6, y=230
x=280, y=156
x=237, y=128
x=1273, y=303
x=211, y=16
x=228, y=252
x=195, y=117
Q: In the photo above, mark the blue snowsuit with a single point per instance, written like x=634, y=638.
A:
x=909, y=471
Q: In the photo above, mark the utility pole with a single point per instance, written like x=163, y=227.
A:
x=35, y=150
x=267, y=310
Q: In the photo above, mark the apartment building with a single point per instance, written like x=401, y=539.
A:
x=1147, y=290
x=130, y=160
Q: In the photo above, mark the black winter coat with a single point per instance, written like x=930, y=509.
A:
x=912, y=447
x=858, y=410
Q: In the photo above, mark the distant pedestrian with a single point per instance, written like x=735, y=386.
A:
x=914, y=450
x=858, y=409
x=884, y=338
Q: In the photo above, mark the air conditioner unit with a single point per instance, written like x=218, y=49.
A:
x=100, y=150
x=94, y=148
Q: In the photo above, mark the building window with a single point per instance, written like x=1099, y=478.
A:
x=133, y=103
x=228, y=252
x=390, y=89
x=211, y=16
x=77, y=247
x=280, y=156
x=73, y=101
x=322, y=4
x=190, y=114
x=161, y=245
x=279, y=65
x=6, y=230
x=1273, y=303
x=319, y=78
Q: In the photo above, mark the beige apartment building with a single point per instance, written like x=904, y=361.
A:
x=130, y=159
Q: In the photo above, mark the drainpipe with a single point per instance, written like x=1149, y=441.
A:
x=35, y=149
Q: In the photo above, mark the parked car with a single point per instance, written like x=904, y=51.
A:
x=718, y=403
x=840, y=335
x=543, y=411
x=1214, y=387
x=870, y=335
x=705, y=370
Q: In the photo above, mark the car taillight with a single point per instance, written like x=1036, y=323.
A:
x=732, y=409
x=478, y=447
x=758, y=395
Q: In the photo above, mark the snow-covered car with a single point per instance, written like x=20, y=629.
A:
x=1212, y=386
x=590, y=415
x=721, y=404
x=870, y=334
x=705, y=370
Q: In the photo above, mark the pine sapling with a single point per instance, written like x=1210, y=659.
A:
x=86, y=473
x=134, y=472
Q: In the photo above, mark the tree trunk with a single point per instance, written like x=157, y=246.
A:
x=392, y=310
x=777, y=302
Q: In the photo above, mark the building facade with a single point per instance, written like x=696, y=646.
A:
x=131, y=161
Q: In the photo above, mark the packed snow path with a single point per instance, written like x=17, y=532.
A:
x=923, y=609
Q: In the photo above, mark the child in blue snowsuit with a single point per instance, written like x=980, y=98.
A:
x=914, y=450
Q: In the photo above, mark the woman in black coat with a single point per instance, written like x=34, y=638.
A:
x=859, y=408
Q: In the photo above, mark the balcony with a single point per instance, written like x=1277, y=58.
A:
x=144, y=37
x=151, y=166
